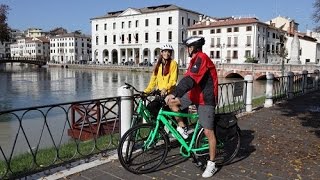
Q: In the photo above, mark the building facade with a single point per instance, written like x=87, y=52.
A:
x=31, y=47
x=237, y=40
x=70, y=48
x=136, y=35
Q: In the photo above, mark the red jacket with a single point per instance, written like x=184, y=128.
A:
x=204, y=73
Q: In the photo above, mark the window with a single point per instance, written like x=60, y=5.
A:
x=97, y=40
x=249, y=28
x=105, y=39
x=114, y=25
x=158, y=21
x=229, y=30
x=129, y=24
x=170, y=20
x=122, y=38
x=248, y=53
x=194, y=32
x=146, y=37
x=182, y=20
x=188, y=22
x=212, y=42
x=146, y=22
x=105, y=26
x=158, y=37
x=218, y=42
x=97, y=26
x=211, y=54
x=200, y=32
x=236, y=29
x=218, y=30
x=129, y=38
x=217, y=54
x=212, y=31
x=235, y=55
x=235, y=41
x=137, y=23
x=248, y=40
x=170, y=36
x=182, y=35
x=229, y=42
x=114, y=39
x=122, y=25
x=137, y=38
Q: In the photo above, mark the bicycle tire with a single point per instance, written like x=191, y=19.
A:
x=132, y=155
x=225, y=151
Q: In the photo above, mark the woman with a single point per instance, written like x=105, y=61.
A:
x=165, y=73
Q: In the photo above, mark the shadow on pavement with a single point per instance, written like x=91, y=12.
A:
x=246, y=148
x=307, y=109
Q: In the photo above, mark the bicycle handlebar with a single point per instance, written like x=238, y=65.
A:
x=154, y=92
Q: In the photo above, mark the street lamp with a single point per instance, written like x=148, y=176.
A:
x=222, y=47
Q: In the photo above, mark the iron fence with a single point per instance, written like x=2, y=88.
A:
x=55, y=135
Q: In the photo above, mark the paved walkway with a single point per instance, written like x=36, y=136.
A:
x=281, y=142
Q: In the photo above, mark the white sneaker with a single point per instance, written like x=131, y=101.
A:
x=211, y=169
x=183, y=132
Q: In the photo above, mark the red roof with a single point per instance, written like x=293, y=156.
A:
x=227, y=22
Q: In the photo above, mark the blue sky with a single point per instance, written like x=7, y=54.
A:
x=76, y=14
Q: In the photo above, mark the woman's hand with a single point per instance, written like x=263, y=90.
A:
x=163, y=92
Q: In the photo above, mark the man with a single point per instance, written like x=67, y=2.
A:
x=201, y=83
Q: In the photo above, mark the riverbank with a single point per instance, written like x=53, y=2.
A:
x=133, y=68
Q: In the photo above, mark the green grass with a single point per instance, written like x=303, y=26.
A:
x=46, y=157
x=259, y=101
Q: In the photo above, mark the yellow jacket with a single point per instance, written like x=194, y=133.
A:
x=167, y=82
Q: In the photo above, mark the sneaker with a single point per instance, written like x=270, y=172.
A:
x=183, y=131
x=211, y=169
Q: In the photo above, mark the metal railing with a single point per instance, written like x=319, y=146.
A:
x=59, y=134
x=293, y=85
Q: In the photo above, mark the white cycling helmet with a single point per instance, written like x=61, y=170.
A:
x=196, y=41
x=166, y=47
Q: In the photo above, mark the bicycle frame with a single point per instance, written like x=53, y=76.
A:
x=184, y=144
x=142, y=111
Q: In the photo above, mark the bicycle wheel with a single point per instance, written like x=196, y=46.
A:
x=226, y=151
x=133, y=154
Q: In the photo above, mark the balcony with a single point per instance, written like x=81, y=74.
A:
x=235, y=45
x=248, y=45
x=212, y=45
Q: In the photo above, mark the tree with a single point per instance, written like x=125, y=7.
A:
x=316, y=14
x=4, y=29
x=250, y=59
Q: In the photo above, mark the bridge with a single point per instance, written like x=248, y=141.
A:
x=259, y=71
x=26, y=60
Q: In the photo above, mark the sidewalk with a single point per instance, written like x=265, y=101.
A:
x=281, y=142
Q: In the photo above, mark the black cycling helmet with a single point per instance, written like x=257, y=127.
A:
x=195, y=41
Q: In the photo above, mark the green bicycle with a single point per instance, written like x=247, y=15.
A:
x=144, y=147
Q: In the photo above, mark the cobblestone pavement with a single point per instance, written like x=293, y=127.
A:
x=281, y=142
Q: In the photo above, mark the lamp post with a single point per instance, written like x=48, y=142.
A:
x=222, y=47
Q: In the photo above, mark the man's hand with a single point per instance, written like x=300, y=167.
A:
x=168, y=98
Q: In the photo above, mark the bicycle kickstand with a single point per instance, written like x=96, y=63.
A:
x=195, y=160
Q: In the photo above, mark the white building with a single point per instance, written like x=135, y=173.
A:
x=70, y=48
x=235, y=40
x=34, y=32
x=135, y=35
x=30, y=47
x=309, y=47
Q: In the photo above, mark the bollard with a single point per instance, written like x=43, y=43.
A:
x=290, y=85
x=304, y=81
x=249, y=79
x=126, y=108
x=269, y=90
x=316, y=79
